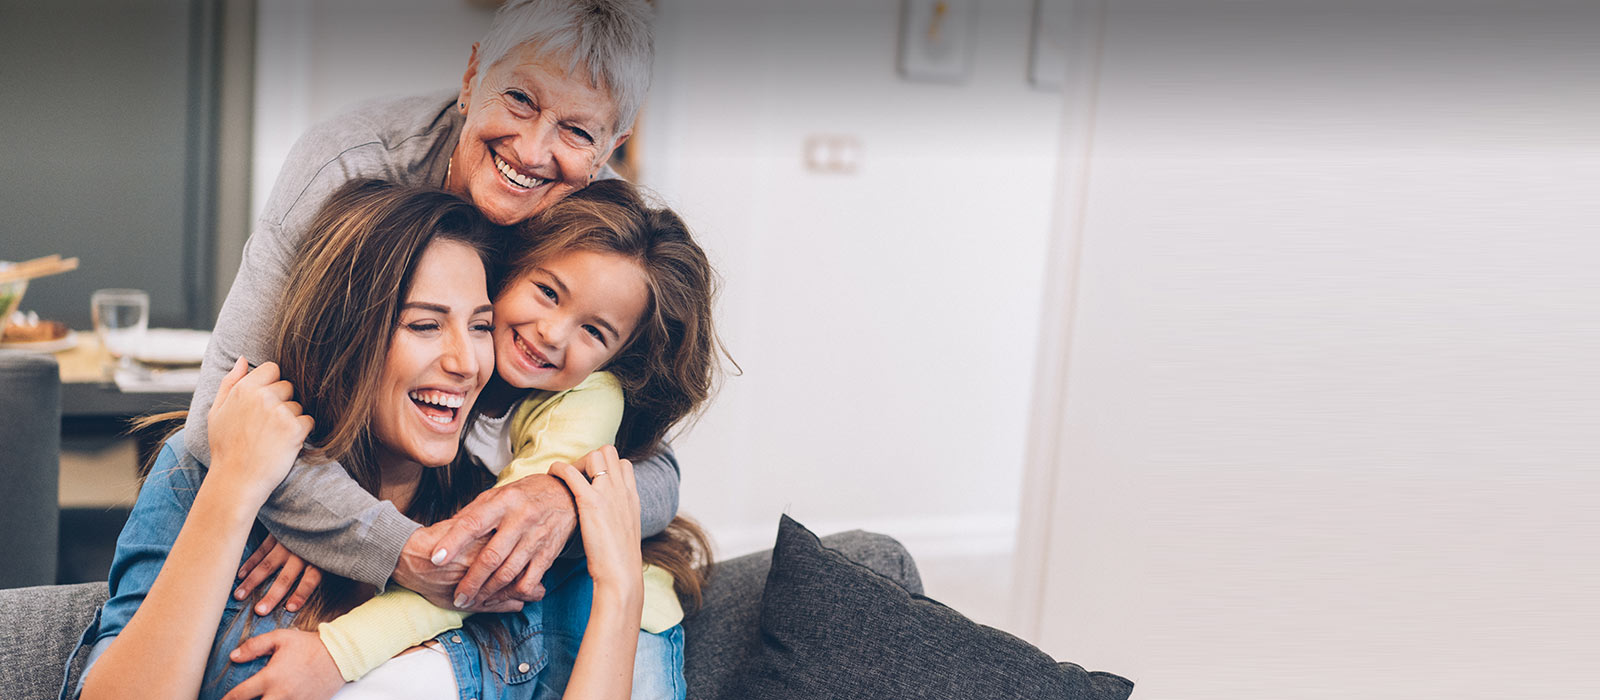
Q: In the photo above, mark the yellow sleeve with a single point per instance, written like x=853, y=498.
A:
x=563, y=427
x=662, y=610
x=377, y=630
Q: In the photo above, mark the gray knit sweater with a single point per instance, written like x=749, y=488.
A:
x=319, y=512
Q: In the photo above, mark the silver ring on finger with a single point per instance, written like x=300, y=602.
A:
x=599, y=474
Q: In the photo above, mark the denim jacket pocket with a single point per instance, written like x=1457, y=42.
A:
x=527, y=657
x=491, y=664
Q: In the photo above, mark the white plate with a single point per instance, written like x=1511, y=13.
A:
x=173, y=346
x=66, y=342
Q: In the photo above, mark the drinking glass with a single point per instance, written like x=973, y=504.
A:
x=121, y=317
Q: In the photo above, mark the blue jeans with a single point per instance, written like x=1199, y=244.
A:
x=512, y=655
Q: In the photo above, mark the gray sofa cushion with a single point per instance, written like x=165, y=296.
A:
x=41, y=626
x=722, y=635
x=833, y=629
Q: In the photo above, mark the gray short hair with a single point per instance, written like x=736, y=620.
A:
x=612, y=38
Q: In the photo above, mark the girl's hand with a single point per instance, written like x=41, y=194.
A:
x=608, y=517
x=300, y=667
x=256, y=430
x=272, y=557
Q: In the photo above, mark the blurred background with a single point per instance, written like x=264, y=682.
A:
x=1244, y=349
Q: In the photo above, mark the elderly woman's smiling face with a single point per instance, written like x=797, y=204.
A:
x=534, y=134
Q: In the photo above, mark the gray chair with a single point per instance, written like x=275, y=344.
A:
x=30, y=468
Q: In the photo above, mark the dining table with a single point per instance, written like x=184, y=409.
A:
x=94, y=407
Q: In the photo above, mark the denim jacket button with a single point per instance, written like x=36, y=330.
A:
x=457, y=639
x=523, y=667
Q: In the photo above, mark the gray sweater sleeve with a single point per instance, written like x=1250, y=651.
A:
x=657, y=481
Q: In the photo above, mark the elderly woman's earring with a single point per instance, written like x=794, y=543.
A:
x=462, y=106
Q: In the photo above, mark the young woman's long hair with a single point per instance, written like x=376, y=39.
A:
x=669, y=368
x=341, y=304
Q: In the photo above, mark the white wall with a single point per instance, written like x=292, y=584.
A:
x=1330, y=406
x=317, y=58
x=885, y=320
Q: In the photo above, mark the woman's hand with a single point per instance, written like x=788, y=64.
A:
x=272, y=557
x=300, y=667
x=256, y=430
x=608, y=517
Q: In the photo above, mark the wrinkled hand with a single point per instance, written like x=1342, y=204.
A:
x=417, y=572
x=300, y=667
x=272, y=557
x=608, y=515
x=256, y=430
x=526, y=522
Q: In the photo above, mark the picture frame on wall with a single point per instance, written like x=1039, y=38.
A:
x=936, y=38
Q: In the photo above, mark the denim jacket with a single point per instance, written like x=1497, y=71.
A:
x=543, y=638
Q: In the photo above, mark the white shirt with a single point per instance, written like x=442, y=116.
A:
x=489, y=440
x=425, y=674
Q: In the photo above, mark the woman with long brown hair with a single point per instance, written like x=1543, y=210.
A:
x=386, y=351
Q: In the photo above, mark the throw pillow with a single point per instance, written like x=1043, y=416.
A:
x=831, y=628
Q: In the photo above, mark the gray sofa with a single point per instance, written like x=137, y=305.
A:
x=41, y=624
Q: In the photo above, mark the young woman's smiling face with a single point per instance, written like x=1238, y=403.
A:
x=566, y=318
x=534, y=134
x=441, y=355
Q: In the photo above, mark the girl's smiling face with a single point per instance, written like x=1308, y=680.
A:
x=566, y=318
x=439, y=358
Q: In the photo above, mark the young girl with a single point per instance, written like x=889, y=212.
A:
x=603, y=335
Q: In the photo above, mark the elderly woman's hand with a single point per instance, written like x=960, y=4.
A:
x=256, y=431
x=509, y=535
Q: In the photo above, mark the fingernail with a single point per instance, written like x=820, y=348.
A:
x=239, y=594
x=292, y=607
x=461, y=601
x=233, y=654
x=439, y=557
x=261, y=609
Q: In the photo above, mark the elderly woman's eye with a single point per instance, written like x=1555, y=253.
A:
x=581, y=134
x=520, y=97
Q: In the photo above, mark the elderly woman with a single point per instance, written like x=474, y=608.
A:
x=547, y=95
